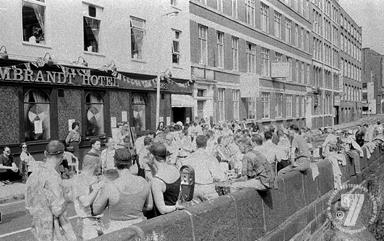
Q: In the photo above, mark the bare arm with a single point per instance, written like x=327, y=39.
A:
x=101, y=200
x=149, y=201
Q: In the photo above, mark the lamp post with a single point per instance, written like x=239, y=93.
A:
x=159, y=76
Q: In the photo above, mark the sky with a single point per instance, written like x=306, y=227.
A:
x=370, y=15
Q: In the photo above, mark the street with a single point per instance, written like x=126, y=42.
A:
x=17, y=221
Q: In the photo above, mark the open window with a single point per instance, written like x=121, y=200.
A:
x=34, y=21
x=91, y=28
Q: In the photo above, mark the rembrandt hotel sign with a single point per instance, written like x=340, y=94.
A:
x=72, y=77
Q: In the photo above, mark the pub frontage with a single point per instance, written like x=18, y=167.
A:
x=39, y=101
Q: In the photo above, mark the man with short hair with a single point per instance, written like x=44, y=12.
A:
x=207, y=171
x=107, y=154
x=46, y=199
x=257, y=172
x=8, y=168
x=94, y=153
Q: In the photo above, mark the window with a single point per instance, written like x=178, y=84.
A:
x=307, y=43
x=302, y=109
x=37, y=124
x=265, y=62
x=236, y=104
x=251, y=58
x=235, y=53
x=95, y=114
x=278, y=57
x=265, y=101
x=34, y=21
x=176, y=47
x=201, y=92
x=264, y=18
x=277, y=24
x=296, y=35
x=234, y=9
x=220, y=49
x=137, y=37
x=250, y=12
x=220, y=5
x=297, y=106
x=203, y=44
x=288, y=108
x=288, y=31
x=139, y=112
x=220, y=100
x=251, y=104
x=91, y=28
x=302, y=72
x=279, y=102
x=302, y=38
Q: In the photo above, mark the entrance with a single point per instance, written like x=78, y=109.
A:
x=181, y=114
x=336, y=119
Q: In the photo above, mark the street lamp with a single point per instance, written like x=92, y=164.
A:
x=167, y=73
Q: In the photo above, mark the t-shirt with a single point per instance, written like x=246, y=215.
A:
x=6, y=161
x=301, y=146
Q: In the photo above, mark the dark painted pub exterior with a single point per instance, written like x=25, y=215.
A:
x=36, y=103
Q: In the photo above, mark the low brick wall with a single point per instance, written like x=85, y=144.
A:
x=295, y=210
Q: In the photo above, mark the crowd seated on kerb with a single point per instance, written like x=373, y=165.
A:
x=184, y=165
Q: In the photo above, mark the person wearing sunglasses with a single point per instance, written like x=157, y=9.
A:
x=27, y=162
x=8, y=168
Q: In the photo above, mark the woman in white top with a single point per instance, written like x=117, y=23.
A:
x=27, y=162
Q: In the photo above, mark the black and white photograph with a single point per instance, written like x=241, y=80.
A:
x=191, y=120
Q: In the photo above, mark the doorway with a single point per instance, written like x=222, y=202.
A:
x=181, y=114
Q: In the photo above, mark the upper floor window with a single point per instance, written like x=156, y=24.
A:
x=91, y=23
x=34, y=21
x=265, y=100
x=220, y=49
x=203, y=44
x=250, y=12
x=265, y=62
x=137, y=37
x=236, y=104
x=37, y=124
x=220, y=5
x=277, y=24
x=288, y=31
x=264, y=18
x=251, y=57
x=176, y=47
x=235, y=53
x=234, y=9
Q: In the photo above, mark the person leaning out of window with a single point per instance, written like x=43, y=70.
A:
x=73, y=139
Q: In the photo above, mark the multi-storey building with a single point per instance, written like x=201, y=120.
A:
x=93, y=61
x=325, y=94
x=372, y=82
x=350, y=67
x=251, y=59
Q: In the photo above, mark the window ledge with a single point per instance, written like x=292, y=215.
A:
x=138, y=61
x=94, y=53
x=176, y=66
x=37, y=45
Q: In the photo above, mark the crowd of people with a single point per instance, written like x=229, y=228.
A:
x=124, y=185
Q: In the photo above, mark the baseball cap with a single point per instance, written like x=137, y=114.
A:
x=158, y=149
x=54, y=147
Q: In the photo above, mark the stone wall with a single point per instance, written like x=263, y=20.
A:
x=295, y=211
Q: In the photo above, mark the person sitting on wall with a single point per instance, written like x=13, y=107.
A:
x=166, y=181
x=300, y=153
x=207, y=171
x=126, y=196
x=8, y=168
x=257, y=172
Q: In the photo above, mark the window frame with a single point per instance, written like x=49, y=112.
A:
x=236, y=104
x=104, y=97
x=250, y=12
x=235, y=53
x=264, y=18
x=277, y=24
x=143, y=29
x=176, y=53
x=266, y=105
x=265, y=62
x=251, y=58
x=220, y=49
x=221, y=103
x=203, y=41
x=288, y=100
x=44, y=31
